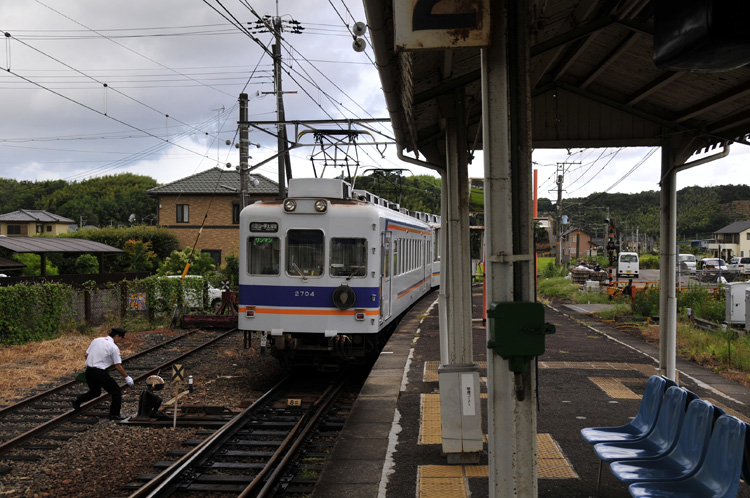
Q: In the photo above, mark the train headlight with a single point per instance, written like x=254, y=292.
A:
x=321, y=206
x=290, y=205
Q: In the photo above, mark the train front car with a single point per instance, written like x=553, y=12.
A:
x=310, y=273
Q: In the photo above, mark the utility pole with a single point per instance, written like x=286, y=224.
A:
x=280, y=116
x=560, y=172
x=244, y=152
x=276, y=25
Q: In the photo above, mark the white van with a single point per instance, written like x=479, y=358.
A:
x=627, y=265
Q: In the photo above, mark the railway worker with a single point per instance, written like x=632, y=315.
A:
x=102, y=354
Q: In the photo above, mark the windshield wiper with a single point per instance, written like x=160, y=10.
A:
x=301, y=274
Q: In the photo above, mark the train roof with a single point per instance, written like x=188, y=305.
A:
x=334, y=188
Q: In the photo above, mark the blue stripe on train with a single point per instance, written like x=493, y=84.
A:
x=304, y=296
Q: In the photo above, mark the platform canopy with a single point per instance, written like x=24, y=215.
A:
x=594, y=82
x=47, y=245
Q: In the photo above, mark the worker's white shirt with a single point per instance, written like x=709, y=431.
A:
x=103, y=353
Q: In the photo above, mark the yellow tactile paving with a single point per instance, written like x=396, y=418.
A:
x=449, y=481
x=647, y=370
x=430, y=373
x=430, y=430
x=589, y=365
x=551, y=463
x=435, y=471
x=476, y=471
x=729, y=411
x=615, y=388
x=452, y=487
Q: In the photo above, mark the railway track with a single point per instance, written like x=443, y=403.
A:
x=26, y=426
x=275, y=447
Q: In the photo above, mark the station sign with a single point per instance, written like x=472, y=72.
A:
x=441, y=24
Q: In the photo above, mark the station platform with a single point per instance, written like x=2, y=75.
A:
x=590, y=375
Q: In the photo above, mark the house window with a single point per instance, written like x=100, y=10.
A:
x=215, y=255
x=235, y=212
x=49, y=228
x=39, y=228
x=14, y=229
x=183, y=213
x=748, y=235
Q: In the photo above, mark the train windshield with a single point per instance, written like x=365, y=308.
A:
x=348, y=257
x=304, y=253
x=263, y=255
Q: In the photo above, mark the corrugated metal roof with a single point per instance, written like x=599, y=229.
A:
x=736, y=227
x=9, y=264
x=593, y=83
x=213, y=182
x=31, y=215
x=51, y=245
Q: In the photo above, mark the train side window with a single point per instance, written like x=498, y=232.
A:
x=304, y=253
x=348, y=257
x=263, y=255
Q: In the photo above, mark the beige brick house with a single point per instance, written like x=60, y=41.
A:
x=31, y=222
x=213, y=194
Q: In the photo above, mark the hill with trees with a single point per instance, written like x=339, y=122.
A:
x=104, y=201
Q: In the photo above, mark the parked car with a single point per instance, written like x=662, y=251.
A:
x=196, y=301
x=713, y=264
x=686, y=263
x=739, y=265
x=627, y=265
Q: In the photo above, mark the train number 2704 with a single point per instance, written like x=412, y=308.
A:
x=304, y=293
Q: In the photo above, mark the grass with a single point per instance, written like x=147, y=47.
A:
x=726, y=353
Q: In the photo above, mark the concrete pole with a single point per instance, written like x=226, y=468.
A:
x=458, y=263
x=280, y=142
x=667, y=264
x=444, y=274
x=244, y=153
x=507, y=164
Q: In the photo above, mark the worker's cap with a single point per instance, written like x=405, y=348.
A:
x=118, y=331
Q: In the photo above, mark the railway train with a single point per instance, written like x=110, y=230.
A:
x=327, y=271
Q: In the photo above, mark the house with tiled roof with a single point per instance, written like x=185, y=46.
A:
x=214, y=195
x=31, y=222
x=732, y=240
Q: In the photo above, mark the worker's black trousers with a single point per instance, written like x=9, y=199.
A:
x=99, y=379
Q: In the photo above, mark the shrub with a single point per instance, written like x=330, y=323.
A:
x=646, y=302
x=559, y=287
x=33, y=312
x=552, y=271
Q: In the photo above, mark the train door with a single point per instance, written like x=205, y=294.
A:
x=424, y=262
x=385, y=276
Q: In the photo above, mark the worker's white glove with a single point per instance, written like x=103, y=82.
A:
x=129, y=380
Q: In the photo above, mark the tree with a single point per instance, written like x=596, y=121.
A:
x=140, y=257
x=87, y=264
x=200, y=263
x=33, y=264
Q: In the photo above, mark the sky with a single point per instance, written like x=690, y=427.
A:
x=97, y=87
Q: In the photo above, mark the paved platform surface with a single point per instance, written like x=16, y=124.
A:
x=591, y=375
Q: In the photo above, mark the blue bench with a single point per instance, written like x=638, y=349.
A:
x=681, y=452
x=719, y=474
x=643, y=422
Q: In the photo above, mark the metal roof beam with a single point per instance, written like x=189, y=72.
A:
x=735, y=93
x=653, y=87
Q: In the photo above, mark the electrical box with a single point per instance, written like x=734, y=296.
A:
x=517, y=331
x=735, y=302
x=461, y=413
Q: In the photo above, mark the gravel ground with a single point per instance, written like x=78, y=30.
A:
x=96, y=463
